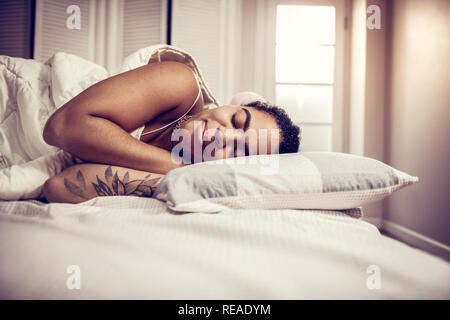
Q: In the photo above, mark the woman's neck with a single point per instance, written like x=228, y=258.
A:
x=163, y=140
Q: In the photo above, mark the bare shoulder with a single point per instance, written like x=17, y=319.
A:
x=185, y=80
x=176, y=71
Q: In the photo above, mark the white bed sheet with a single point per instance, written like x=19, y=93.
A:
x=135, y=248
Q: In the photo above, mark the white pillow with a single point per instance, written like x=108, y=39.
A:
x=308, y=180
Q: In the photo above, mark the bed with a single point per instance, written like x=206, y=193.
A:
x=287, y=228
x=137, y=248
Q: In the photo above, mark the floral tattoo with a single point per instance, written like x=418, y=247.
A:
x=113, y=185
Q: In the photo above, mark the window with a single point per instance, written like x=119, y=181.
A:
x=111, y=30
x=308, y=70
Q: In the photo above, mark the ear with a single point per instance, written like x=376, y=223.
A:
x=245, y=97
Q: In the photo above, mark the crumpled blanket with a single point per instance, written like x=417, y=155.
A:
x=30, y=91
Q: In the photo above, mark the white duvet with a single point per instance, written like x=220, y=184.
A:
x=30, y=91
x=127, y=247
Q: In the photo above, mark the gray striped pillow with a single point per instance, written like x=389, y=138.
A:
x=308, y=180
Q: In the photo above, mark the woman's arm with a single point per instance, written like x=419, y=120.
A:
x=82, y=182
x=94, y=125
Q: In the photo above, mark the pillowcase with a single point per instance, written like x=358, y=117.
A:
x=307, y=180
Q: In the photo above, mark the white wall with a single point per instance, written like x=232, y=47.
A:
x=357, y=77
x=399, y=113
x=419, y=117
x=248, y=24
x=375, y=87
x=367, y=110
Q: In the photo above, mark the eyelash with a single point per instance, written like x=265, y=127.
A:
x=233, y=120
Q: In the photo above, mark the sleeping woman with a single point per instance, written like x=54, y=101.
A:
x=131, y=129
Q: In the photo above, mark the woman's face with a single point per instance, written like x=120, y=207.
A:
x=230, y=131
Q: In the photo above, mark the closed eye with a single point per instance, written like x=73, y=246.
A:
x=233, y=120
x=245, y=124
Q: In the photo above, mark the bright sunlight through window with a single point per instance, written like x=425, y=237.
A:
x=305, y=50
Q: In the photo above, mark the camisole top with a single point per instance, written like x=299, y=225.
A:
x=138, y=132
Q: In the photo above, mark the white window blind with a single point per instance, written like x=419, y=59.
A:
x=144, y=24
x=110, y=29
x=52, y=34
x=113, y=29
x=196, y=28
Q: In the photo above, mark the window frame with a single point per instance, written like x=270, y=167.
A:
x=268, y=84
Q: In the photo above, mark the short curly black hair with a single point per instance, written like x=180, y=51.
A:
x=290, y=132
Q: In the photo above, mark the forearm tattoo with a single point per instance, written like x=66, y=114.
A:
x=113, y=185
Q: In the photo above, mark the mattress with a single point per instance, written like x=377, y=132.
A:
x=31, y=91
x=135, y=248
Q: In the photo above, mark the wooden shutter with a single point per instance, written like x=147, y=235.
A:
x=52, y=34
x=196, y=28
x=15, y=27
x=144, y=24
